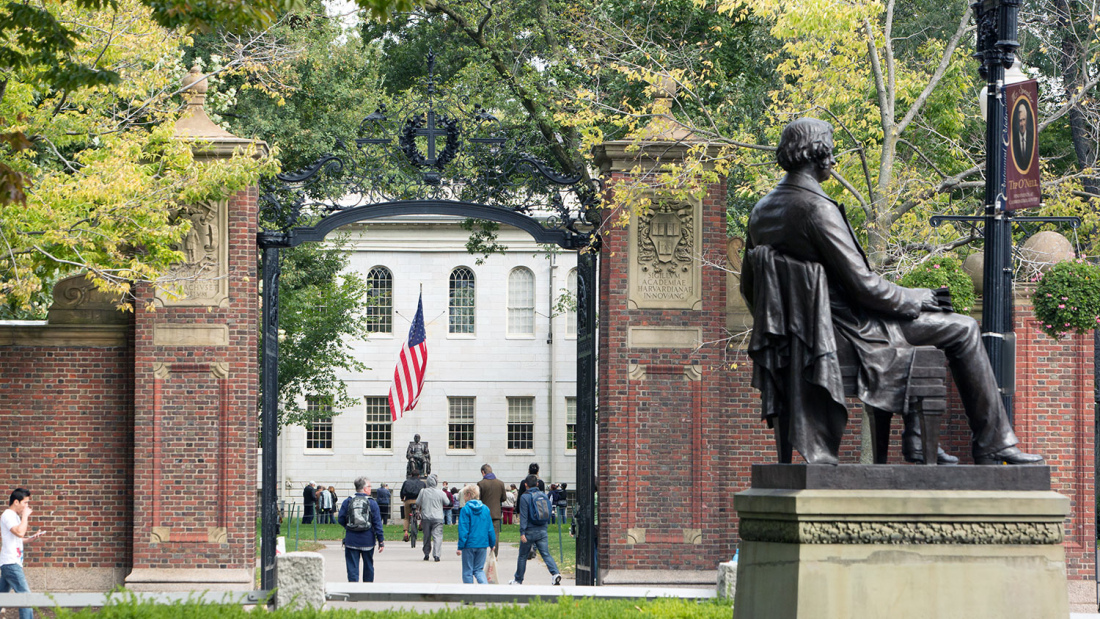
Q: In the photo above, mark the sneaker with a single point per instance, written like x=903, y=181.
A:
x=426, y=558
x=437, y=559
x=557, y=579
x=515, y=582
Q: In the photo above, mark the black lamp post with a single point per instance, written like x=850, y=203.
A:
x=997, y=27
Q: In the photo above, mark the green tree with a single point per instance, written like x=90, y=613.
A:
x=93, y=174
x=321, y=309
x=301, y=85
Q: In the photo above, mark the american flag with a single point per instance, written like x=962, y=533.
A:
x=408, y=376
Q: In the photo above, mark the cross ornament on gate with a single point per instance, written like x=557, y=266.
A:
x=431, y=130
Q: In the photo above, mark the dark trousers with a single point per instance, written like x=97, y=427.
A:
x=385, y=509
x=307, y=514
x=352, y=557
x=959, y=337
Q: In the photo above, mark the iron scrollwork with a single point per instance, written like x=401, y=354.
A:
x=436, y=149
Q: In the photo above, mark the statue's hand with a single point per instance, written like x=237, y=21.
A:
x=928, y=301
x=943, y=298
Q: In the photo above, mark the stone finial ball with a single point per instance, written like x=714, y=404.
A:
x=1047, y=248
x=193, y=82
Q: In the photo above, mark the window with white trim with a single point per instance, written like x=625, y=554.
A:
x=461, y=301
x=521, y=302
x=521, y=423
x=378, y=424
x=571, y=424
x=380, y=310
x=319, y=431
x=460, y=423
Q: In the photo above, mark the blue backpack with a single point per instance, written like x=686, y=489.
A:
x=538, y=510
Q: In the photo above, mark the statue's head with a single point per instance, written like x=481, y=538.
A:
x=416, y=438
x=807, y=142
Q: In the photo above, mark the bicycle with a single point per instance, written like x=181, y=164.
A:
x=414, y=524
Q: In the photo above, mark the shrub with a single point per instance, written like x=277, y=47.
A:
x=1067, y=298
x=943, y=271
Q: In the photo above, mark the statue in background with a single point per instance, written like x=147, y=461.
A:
x=420, y=459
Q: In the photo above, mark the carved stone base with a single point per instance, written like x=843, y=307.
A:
x=903, y=554
x=189, y=579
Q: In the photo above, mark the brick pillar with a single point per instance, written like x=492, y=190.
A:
x=664, y=509
x=196, y=376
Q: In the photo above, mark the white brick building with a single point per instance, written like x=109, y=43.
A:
x=501, y=375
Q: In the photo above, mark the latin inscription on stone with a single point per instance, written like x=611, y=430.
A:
x=664, y=269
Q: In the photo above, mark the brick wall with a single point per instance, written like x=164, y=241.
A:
x=670, y=437
x=66, y=424
x=196, y=422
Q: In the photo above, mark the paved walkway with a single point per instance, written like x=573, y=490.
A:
x=402, y=563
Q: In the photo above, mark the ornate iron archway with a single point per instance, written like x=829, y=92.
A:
x=435, y=155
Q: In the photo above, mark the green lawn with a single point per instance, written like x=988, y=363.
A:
x=301, y=537
x=575, y=608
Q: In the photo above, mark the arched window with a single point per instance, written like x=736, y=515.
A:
x=462, y=299
x=571, y=315
x=380, y=310
x=521, y=302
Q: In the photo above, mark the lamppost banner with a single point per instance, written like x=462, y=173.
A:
x=1022, y=188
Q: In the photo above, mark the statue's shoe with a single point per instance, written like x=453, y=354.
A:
x=1009, y=455
x=942, y=457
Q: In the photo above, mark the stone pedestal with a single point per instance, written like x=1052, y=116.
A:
x=901, y=542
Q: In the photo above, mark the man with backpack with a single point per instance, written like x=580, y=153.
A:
x=534, y=514
x=362, y=521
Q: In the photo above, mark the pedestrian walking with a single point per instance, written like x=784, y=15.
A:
x=534, y=515
x=362, y=523
x=13, y=532
x=384, y=496
x=492, y=495
x=475, y=536
x=431, y=502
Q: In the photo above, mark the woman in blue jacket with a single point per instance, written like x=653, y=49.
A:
x=475, y=535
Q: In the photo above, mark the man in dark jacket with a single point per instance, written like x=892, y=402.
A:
x=309, y=502
x=492, y=495
x=360, y=544
x=384, y=495
x=799, y=220
x=409, y=491
x=532, y=536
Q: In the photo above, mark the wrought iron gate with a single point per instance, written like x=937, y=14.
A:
x=439, y=156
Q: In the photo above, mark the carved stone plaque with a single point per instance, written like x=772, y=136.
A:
x=664, y=249
x=202, y=279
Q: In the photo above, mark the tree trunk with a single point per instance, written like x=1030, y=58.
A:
x=1072, y=60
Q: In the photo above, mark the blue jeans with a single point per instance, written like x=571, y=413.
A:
x=351, y=558
x=473, y=565
x=447, y=517
x=12, y=580
x=539, y=539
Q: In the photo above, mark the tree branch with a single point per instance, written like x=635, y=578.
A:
x=941, y=69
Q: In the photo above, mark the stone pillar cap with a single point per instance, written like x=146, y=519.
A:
x=194, y=123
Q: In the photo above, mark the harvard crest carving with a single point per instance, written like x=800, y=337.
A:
x=664, y=270
x=202, y=277
x=666, y=237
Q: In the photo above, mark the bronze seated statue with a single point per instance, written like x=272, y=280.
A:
x=812, y=287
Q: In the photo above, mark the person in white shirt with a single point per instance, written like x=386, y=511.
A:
x=13, y=529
